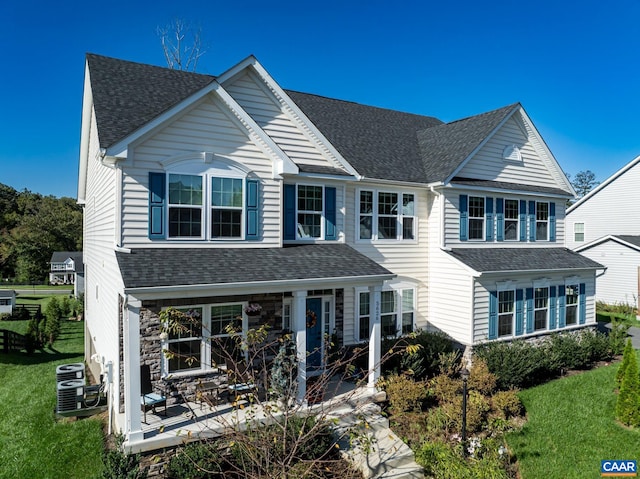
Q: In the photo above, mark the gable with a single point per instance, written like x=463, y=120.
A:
x=525, y=163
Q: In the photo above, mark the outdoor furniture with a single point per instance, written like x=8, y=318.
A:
x=208, y=392
x=240, y=382
x=149, y=399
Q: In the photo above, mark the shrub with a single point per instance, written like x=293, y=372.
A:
x=195, y=461
x=441, y=461
x=65, y=307
x=628, y=403
x=481, y=379
x=618, y=336
x=564, y=352
x=597, y=345
x=120, y=465
x=506, y=404
x=404, y=393
x=445, y=388
x=425, y=363
x=449, y=363
x=5, y=316
x=626, y=358
x=52, y=315
x=477, y=409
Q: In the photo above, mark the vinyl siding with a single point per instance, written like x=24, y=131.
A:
x=102, y=276
x=619, y=284
x=204, y=128
x=487, y=164
x=266, y=110
x=607, y=211
x=407, y=259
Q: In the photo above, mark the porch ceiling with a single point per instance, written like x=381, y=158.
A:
x=490, y=260
x=166, y=267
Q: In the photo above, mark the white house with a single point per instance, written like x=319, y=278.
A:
x=212, y=193
x=67, y=267
x=7, y=301
x=603, y=231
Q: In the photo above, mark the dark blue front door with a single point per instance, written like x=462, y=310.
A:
x=314, y=334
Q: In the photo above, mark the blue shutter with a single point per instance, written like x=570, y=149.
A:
x=500, y=219
x=157, y=198
x=523, y=220
x=489, y=218
x=582, y=303
x=493, y=314
x=552, y=307
x=289, y=202
x=529, y=310
x=464, y=217
x=552, y=221
x=253, y=225
x=562, y=311
x=532, y=220
x=519, y=313
x=329, y=213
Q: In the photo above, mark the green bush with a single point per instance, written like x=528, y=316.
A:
x=441, y=461
x=52, y=314
x=445, y=388
x=120, y=465
x=478, y=408
x=481, y=379
x=5, y=316
x=195, y=461
x=506, y=404
x=618, y=336
x=628, y=403
x=626, y=357
x=423, y=364
x=404, y=393
x=597, y=345
x=565, y=352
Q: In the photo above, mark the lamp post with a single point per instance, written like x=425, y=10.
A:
x=464, y=373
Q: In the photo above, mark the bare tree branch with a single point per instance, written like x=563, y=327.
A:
x=181, y=45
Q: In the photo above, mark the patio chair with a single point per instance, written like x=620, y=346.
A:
x=149, y=399
x=240, y=381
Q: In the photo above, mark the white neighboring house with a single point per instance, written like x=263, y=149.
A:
x=604, y=225
x=213, y=193
x=67, y=267
x=7, y=301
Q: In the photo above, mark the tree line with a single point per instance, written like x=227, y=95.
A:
x=32, y=227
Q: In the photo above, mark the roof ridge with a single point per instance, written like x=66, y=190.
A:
x=147, y=65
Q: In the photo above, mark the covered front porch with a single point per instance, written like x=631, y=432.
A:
x=306, y=309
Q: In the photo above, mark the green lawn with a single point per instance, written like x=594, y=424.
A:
x=571, y=428
x=33, y=443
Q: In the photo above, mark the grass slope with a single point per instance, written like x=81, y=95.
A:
x=571, y=427
x=33, y=444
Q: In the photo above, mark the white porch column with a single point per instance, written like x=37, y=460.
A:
x=131, y=342
x=299, y=315
x=375, y=293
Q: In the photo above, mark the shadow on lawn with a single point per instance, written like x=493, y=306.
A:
x=38, y=357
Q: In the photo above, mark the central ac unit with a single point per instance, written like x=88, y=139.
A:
x=65, y=372
x=70, y=395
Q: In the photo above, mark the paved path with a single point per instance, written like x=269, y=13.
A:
x=634, y=333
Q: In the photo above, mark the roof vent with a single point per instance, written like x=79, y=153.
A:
x=511, y=153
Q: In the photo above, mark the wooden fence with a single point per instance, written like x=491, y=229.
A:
x=11, y=341
x=25, y=311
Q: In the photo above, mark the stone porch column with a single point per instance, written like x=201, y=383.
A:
x=131, y=342
x=375, y=294
x=299, y=316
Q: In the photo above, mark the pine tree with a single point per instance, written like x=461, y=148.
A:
x=628, y=404
x=628, y=351
x=52, y=314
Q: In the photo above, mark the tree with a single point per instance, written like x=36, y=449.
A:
x=52, y=314
x=181, y=45
x=626, y=359
x=584, y=182
x=628, y=403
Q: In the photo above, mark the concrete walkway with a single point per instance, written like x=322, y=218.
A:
x=633, y=333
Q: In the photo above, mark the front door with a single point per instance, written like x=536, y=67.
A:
x=314, y=334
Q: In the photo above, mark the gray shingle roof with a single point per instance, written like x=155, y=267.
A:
x=153, y=267
x=631, y=239
x=128, y=95
x=501, y=185
x=62, y=256
x=488, y=260
x=7, y=293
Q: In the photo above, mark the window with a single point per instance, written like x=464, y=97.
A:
x=542, y=221
x=185, y=344
x=5, y=302
x=506, y=311
x=540, y=308
x=397, y=312
x=407, y=311
x=476, y=218
x=511, y=214
x=310, y=207
x=185, y=206
x=385, y=215
x=226, y=207
x=571, y=311
x=286, y=315
x=364, y=316
x=223, y=318
x=578, y=232
x=388, y=316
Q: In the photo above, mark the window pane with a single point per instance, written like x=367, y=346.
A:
x=506, y=308
x=388, y=324
x=407, y=300
x=476, y=228
x=407, y=205
x=407, y=323
x=185, y=222
x=542, y=211
x=186, y=355
x=309, y=198
x=388, y=203
x=571, y=316
x=388, y=302
x=387, y=227
x=364, y=328
x=541, y=303
x=364, y=304
x=365, y=227
x=511, y=220
x=407, y=228
x=226, y=223
x=223, y=316
x=185, y=190
x=366, y=202
x=578, y=230
x=309, y=225
x=511, y=209
x=226, y=192
x=476, y=207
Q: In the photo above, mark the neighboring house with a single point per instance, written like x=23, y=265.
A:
x=211, y=193
x=67, y=267
x=7, y=301
x=600, y=229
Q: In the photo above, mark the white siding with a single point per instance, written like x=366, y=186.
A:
x=610, y=211
x=407, y=259
x=267, y=112
x=204, y=128
x=102, y=276
x=619, y=284
x=488, y=164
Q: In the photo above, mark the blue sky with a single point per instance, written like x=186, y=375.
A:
x=573, y=65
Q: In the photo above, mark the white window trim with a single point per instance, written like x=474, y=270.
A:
x=299, y=229
x=374, y=216
x=584, y=228
x=503, y=288
x=206, y=207
x=543, y=284
x=517, y=220
x=576, y=284
x=205, y=339
x=358, y=315
x=548, y=222
x=484, y=219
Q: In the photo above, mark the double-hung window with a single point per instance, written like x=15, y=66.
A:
x=309, y=212
x=226, y=207
x=310, y=207
x=541, y=308
x=578, y=232
x=185, y=206
x=184, y=342
x=397, y=312
x=542, y=221
x=386, y=215
x=225, y=319
x=364, y=315
x=506, y=312
x=571, y=298
x=476, y=218
x=511, y=214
